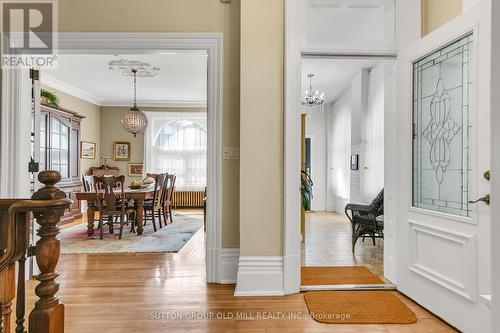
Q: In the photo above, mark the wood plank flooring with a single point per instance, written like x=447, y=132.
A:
x=328, y=243
x=162, y=292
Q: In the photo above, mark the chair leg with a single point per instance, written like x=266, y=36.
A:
x=101, y=225
x=373, y=239
x=170, y=213
x=110, y=223
x=354, y=238
x=122, y=220
x=165, y=215
x=159, y=217
x=153, y=220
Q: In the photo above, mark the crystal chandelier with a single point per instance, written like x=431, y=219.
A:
x=134, y=121
x=313, y=98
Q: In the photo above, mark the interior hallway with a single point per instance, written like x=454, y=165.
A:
x=123, y=293
x=328, y=243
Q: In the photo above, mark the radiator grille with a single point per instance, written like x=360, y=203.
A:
x=188, y=199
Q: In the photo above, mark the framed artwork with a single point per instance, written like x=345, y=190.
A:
x=121, y=151
x=87, y=150
x=354, y=162
x=135, y=169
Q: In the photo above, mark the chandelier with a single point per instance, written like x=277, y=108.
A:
x=313, y=98
x=134, y=121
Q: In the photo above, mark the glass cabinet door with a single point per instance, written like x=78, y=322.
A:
x=59, y=152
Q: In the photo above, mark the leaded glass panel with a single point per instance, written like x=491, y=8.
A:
x=441, y=129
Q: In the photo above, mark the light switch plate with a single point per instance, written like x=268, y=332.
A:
x=230, y=153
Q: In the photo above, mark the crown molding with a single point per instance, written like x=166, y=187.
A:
x=157, y=103
x=67, y=88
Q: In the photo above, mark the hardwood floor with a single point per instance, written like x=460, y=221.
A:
x=161, y=292
x=328, y=243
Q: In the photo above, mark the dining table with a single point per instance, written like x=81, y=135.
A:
x=138, y=195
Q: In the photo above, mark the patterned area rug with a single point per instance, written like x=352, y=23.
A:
x=168, y=239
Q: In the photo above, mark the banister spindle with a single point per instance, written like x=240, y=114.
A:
x=48, y=314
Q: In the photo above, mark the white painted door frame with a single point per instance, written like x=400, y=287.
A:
x=135, y=43
x=406, y=11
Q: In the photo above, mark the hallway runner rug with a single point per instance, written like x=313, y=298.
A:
x=335, y=275
x=168, y=239
x=358, y=307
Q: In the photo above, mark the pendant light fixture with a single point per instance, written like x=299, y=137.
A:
x=134, y=121
x=312, y=98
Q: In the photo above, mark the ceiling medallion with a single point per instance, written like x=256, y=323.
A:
x=134, y=121
x=125, y=67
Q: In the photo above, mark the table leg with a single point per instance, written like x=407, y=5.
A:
x=90, y=218
x=139, y=215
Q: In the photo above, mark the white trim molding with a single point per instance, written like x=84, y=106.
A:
x=260, y=276
x=15, y=119
x=229, y=259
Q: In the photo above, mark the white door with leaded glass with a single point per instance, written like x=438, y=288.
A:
x=443, y=239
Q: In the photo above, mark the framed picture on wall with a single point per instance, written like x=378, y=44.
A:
x=87, y=150
x=354, y=162
x=135, y=169
x=121, y=151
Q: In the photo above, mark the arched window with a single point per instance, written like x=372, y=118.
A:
x=180, y=147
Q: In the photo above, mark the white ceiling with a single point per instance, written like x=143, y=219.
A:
x=332, y=76
x=181, y=79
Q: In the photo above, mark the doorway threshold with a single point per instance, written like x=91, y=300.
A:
x=347, y=287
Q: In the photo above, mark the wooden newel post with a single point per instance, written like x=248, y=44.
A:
x=48, y=314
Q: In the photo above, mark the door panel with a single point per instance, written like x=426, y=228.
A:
x=443, y=151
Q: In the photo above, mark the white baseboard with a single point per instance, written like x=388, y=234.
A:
x=229, y=259
x=291, y=271
x=260, y=276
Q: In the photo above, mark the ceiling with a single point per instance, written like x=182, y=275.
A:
x=176, y=78
x=332, y=76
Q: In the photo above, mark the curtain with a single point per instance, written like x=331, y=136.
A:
x=176, y=142
x=372, y=176
x=339, y=153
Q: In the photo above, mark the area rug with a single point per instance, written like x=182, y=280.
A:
x=168, y=239
x=312, y=276
x=358, y=307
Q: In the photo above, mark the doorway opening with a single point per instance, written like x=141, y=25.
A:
x=145, y=44
x=343, y=155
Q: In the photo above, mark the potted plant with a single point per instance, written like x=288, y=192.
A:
x=49, y=98
x=306, y=185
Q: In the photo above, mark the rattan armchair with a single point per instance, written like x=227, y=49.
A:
x=363, y=219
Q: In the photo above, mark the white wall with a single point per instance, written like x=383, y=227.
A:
x=355, y=125
x=316, y=130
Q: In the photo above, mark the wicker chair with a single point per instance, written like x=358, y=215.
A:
x=363, y=219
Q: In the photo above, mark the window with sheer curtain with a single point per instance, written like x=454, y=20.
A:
x=177, y=143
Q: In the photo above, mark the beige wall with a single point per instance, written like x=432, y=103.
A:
x=112, y=130
x=435, y=13
x=89, y=126
x=179, y=16
x=261, y=140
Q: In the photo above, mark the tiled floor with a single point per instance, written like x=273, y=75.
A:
x=328, y=243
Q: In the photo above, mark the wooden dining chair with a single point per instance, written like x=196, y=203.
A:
x=153, y=206
x=166, y=206
x=88, y=186
x=109, y=203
